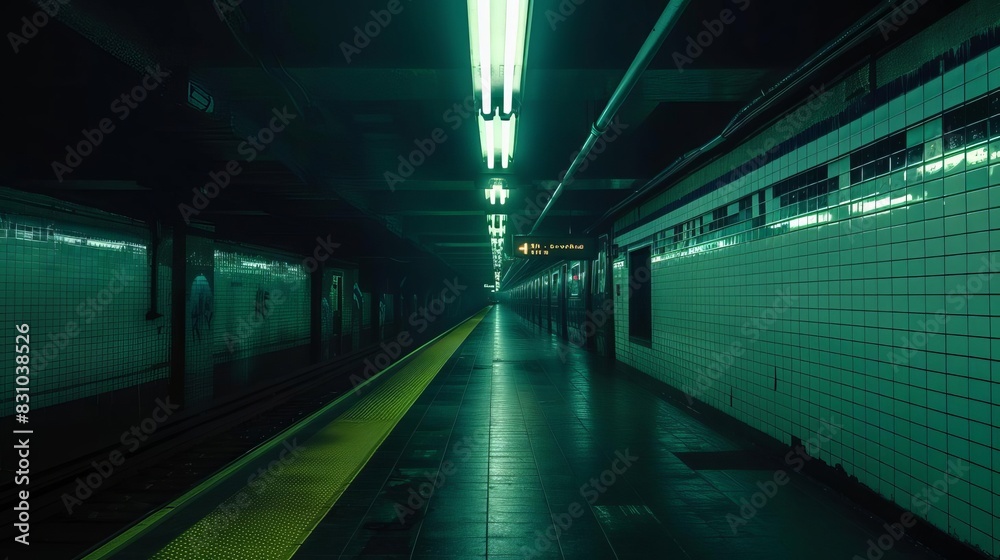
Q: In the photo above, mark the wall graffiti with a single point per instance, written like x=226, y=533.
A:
x=202, y=306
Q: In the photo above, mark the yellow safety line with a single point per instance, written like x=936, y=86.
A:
x=277, y=510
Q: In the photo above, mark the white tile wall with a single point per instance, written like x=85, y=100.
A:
x=861, y=318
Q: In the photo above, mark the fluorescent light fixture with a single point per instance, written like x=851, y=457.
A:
x=497, y=39
x=509, y=52
x=497, y=190
x=485, y=63
x=69, y=239
x=510, y=139
x=255, y=264
x=104, y=244
x=482, y=135
x=496, y=225
x=505, y=143
x=490, y=148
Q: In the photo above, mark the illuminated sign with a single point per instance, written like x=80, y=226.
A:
x=558, y=247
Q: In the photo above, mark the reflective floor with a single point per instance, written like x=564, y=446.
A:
x=513, y=452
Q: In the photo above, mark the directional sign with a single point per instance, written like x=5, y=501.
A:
x=554, y=247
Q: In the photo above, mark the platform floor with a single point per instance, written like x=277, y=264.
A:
x=509, y=439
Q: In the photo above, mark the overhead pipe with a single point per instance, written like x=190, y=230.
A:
x=671, y=13
x=847, y=40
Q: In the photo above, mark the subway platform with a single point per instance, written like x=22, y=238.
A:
x=490, y=442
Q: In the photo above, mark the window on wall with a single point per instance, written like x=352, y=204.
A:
x=640, y=300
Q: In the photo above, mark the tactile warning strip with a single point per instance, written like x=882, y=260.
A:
x=272, y=517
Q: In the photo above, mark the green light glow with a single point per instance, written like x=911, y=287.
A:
x=497, y=26
x=510, y=49
x=505, y=143
x=490, y=148
x=485, y=63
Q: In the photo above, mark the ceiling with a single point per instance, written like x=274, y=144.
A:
x=325, y=174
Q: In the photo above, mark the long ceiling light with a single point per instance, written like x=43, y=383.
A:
x=498, y=33
x=497, y=44
x=490, y=148
x=509, y=52
x=497, y=228
x=485, y=68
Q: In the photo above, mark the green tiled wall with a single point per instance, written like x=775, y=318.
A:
x=84, y=292
x=201, y=327
x=879, y=308
x=263, y=299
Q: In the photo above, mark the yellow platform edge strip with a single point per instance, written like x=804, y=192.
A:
x=241, y=530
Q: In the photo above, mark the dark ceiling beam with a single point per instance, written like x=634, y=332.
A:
x=239, y=199
x=438, y=212
x=449, y=203
x=591, y=184
x=377, y=185
x=421, y=84
x=111, y=185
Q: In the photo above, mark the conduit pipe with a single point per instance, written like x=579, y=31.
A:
x=671, y=13
x=860, y=31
